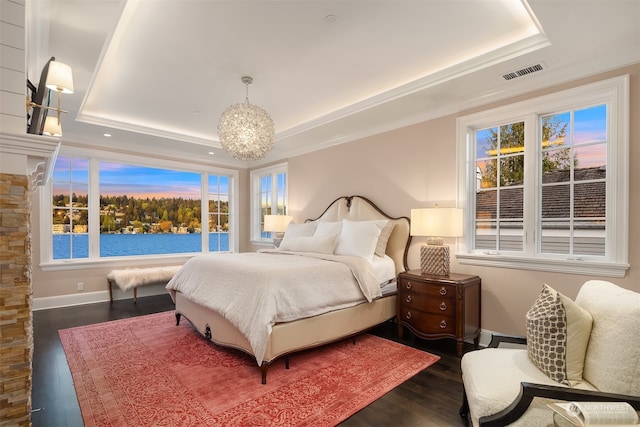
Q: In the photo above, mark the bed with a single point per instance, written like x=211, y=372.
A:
x=199, y=289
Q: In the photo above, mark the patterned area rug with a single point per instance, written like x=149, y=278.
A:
x=145, y=371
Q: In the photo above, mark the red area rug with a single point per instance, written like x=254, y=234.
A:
x=145, y=371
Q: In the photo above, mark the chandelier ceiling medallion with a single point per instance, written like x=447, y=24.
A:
x=245, y=130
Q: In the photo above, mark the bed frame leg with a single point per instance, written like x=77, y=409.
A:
x=264, y=368
x=178, y=315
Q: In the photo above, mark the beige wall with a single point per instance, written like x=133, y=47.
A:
x=416, y=167
x=406, y=168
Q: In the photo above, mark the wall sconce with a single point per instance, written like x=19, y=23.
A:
x=52, y=126
x=436, y=223
x=277, y=224
x=57, y=77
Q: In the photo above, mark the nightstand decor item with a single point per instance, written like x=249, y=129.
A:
x=436, y=223
x=277, y=224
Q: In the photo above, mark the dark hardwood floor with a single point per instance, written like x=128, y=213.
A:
x=430, y=398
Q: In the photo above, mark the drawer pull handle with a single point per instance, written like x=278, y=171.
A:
x=408, y=285
x=443, y=291
x=443, y=306
x=443, y=324
x=408, y=299
x=408, y=316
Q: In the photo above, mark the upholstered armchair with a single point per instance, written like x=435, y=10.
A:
x=587, y=350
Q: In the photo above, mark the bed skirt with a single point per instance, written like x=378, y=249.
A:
x=290, y=336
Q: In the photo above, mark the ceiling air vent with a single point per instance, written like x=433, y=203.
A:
x=524, y=71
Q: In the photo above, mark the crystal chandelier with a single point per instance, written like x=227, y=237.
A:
x=245, y=130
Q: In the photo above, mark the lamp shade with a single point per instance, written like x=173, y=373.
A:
x=52, y=126
x=436, y=222
x=59, y=77
x=277, y=223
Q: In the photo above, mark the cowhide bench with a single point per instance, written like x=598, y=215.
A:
x=132, y=278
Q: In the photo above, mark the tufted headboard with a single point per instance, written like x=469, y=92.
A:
x=358, y=208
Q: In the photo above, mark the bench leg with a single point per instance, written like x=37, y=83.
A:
x=110, y=290
x=135, y=295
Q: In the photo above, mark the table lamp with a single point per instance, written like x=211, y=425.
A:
x=436, y=223
x=277, y=224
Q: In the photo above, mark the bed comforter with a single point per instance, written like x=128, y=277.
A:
x=256, y=290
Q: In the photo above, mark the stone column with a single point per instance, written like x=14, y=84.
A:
x=16, y=332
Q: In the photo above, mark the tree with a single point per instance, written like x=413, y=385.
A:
x=505, y=145
x=165, y=226
x=108, y=223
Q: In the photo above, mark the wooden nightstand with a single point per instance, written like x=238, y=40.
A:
x=434, y=307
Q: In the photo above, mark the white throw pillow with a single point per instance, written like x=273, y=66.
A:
x=328, y=228
x=317, y=244
x=359, y=238
x=299, y=230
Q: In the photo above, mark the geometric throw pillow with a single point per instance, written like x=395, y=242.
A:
x=558, y=332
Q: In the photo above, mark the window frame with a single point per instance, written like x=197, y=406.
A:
x=47, y=263
x=612, y=92
x=256, y=176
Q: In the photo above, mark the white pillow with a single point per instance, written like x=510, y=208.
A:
x=328, y=228
x=298, y=230
x=317, y=244
x=359, y=238
x=381, y=247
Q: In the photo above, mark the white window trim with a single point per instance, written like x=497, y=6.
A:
x=255, y=177
x=614, y=92
x=46, y=260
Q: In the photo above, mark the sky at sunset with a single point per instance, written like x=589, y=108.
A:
x=589, y=126
x=134, y=181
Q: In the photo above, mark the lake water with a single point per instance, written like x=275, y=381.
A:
x=136, y=244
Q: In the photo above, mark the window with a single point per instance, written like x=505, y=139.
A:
x=269, y=197
x=545, y=182
x=219, y=191
x=111, y=208
x=70, y=206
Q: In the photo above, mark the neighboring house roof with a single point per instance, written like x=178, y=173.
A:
x=589, y=196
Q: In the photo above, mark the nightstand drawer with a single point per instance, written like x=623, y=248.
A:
x=428, y=289
x=428, y=323
x=435, y=304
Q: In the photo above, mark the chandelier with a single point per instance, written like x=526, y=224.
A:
x=245, y=130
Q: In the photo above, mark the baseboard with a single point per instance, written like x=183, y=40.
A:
x=485, y=337
x=58, y=301
x=81, y=298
